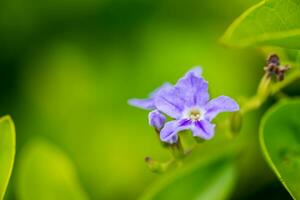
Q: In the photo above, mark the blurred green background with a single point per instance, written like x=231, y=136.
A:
x=68, y=68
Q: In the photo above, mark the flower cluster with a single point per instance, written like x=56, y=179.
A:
x=188, y=104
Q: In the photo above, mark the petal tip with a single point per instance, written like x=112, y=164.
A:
x=196, y=70
x=134, y=102
x=147, y=104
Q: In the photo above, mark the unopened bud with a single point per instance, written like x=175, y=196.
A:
x=236, y=122
x=156, y=119
x=153, y=165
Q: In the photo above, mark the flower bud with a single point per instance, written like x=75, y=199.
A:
x=153, y=165
x=236, y=122
x=156, y=119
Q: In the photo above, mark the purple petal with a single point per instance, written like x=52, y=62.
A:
x=147, y=104
x=193, y=89
x=169, y=132
x=169, y=102
x=220, y=104
x=203, y=129
x=156, y=119
x=164, y=86
x=185, y=122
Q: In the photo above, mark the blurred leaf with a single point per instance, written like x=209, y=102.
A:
x=7, y=152
x=280, y=141
x=45, y=172
x=206, y=181
x=270, y=22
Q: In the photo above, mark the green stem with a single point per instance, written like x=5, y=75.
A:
x=177, y=150
x=265, y=89
x=159, y=167
x=288, y=80
x=256, y=101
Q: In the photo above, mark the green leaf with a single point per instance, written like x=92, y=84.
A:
x=45, y=172
x=270, y=22
x=280, y=141
x=202, y=181
x=7, y=152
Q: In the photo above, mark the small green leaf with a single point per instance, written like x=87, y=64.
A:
x=270, y=22
x=202, y=181
x=280, y=141
x=7, y=152
x=45, y=172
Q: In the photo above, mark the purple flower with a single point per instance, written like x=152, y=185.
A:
x=156, y=118
x=189, y=105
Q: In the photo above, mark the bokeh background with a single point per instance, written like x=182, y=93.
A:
x=68, y=68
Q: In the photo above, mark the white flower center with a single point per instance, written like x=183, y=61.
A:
x=195, y=114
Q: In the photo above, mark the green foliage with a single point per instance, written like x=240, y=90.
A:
x=71, y=68
x=212, y=180
x=45, y=172
x=270, y=22
x=7, y=152
x=280, y=141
